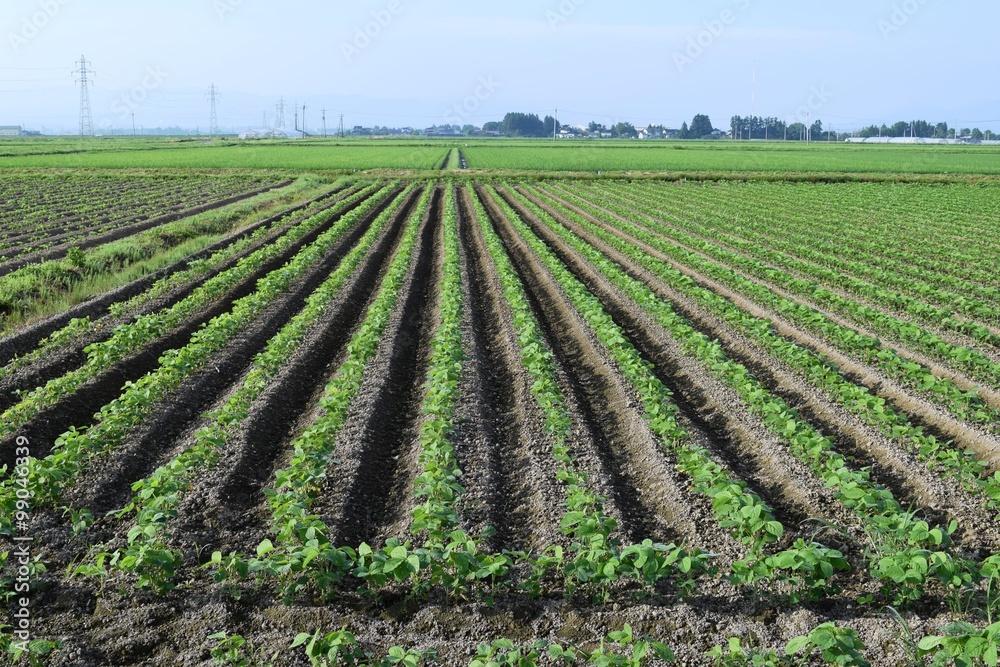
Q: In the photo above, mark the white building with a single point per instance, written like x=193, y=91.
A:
x=11, y=131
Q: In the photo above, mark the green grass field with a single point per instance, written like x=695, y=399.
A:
x=502, y=155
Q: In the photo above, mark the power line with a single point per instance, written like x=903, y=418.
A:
x=86, y=118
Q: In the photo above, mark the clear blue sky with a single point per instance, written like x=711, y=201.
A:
x=850, y=63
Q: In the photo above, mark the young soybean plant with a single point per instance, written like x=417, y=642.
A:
x=837, y=646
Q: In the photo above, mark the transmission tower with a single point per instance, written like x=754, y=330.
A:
x=86, y=119
x=213, y=95
x=279, y=122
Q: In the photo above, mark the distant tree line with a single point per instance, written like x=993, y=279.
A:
x=741, y=127
x=922, y=129
x=524, y=125
x=756, y=127
x=530, y=125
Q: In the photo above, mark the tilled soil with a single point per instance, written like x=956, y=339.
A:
x=509, y=472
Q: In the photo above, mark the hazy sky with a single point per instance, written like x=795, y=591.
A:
x=423, y=62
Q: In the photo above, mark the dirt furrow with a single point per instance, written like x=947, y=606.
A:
x=225, y=509
x=71, y=356
x=27, y=339
x=508, y=465
x=156, y=440
x=78, y=408
x=714, y=414
x=988, y=394
x=368, y=493
x=921, y=411
x=129, y=230
x=646, y=490
x=909, y=479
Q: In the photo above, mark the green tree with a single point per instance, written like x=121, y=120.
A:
x=797, y=132
x=551, y=126
x=523, y=125
x=624, y=131
x=900, y=129
x=701, y=126
x=684, y=132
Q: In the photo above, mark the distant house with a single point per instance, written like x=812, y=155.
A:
x=11, y=131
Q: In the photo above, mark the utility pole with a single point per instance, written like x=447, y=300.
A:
x=555, y=125
x=303, y=121
x=213, y=127
x=133, y=125
x=341, y=126
x=86, y=119
x=324, y=123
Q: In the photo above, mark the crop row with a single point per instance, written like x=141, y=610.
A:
x=856, y=398
x=914, y=336
x=193, y=272
x=902, y=537
x=910, y=233
x=43, y=201
x=74, y=449
x=808, y=253
x=157, y=497
x=595, y=558
x=131, y=337
x=964, y=404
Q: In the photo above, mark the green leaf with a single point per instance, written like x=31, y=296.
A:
x=796, y=645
